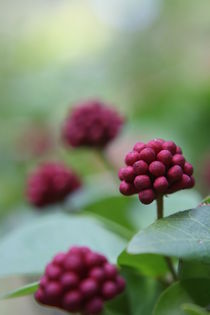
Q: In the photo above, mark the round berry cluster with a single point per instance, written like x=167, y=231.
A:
x=153, y=169
x=51, y=183
x=91, y=124
x=79, y=281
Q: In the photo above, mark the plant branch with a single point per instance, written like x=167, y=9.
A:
x=160, y=215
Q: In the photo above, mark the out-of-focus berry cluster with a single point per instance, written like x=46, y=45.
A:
x=51, y=183
x=153, y=169
x=79, y=281
x=91, y=124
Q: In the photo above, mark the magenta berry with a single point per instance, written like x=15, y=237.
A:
x=92, y=124
x=142, y=182
x=155, y=169
x=79, y=290
x=147, y=154
x=51, y=183
x=140, y=167
x=147, y=196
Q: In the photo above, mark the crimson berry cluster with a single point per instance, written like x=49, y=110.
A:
x=153, y=169
x=51, y=183
x=91, y=124
x=79, y=280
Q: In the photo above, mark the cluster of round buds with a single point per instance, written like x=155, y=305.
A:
x=79, y=281
x=91, y=124
x=155, y=168
x=51, y=183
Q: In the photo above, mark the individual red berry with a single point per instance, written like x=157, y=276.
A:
x=72, y=301
x=157, y=168
x=53, y=272
x=109, y=290
x=170, y=146
x=178, y=159
x=188, y=169
x=97, y=273
x=175, y=173
x=81, y=290
x=53, y=292
x=147, y=154
x=186, y=181
x=142, y=182
x=92, y=124
x=161, y=184
x=94, y=306
x=131, y=158
x=147, y=196
x=120, y=281
x=128, y=173
x=178, y=150
x=127, y=189
x=140, y=167
x=155, y=144
x=139, y=146
x=110, y=271
x=59, y=259
x=51, y=183
x=69, y=280
x=88, y=287
x=73, y=263
x=165, y=157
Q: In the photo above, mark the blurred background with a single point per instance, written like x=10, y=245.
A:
x=148, y=58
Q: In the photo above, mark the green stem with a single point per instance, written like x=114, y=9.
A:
x=107, y=165
x=160, y=215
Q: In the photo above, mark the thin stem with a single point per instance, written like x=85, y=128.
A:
x=160, y=211
x=107, y=165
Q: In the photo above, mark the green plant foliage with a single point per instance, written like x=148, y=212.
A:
x=28, y=249
x=192, y=309
x=23, y=291
x=146, y=264
x=195, y=291
x=193, y=269
x=184, y=235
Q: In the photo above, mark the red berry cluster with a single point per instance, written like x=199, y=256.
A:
x=79, y=281
x=91, y=124
x=155, y=168
x=51, y=183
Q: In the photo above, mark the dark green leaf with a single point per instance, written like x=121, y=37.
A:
x=146, y=264
x=26, y=290
x=193, y=269
x=185, y=235
x=195, y=291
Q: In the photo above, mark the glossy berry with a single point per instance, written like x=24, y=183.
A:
x=91, y=124
x=155, y=168
x=79, y=281
x=51, y=183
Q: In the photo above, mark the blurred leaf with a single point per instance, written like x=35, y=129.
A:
x=142, y=216
x=206, y=200
x=28, y=249
x=146, y=264
x=23, y=291
x=139, y=297
x=185, y=235
x=188, y=291
x=192, y=309
x=193, y=269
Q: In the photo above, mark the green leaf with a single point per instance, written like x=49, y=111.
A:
x=26, y=290
x=192, y=309
x=193, y=269
x=29, y=248
x=146, y=264
x=195, y=291
x=185, y=235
